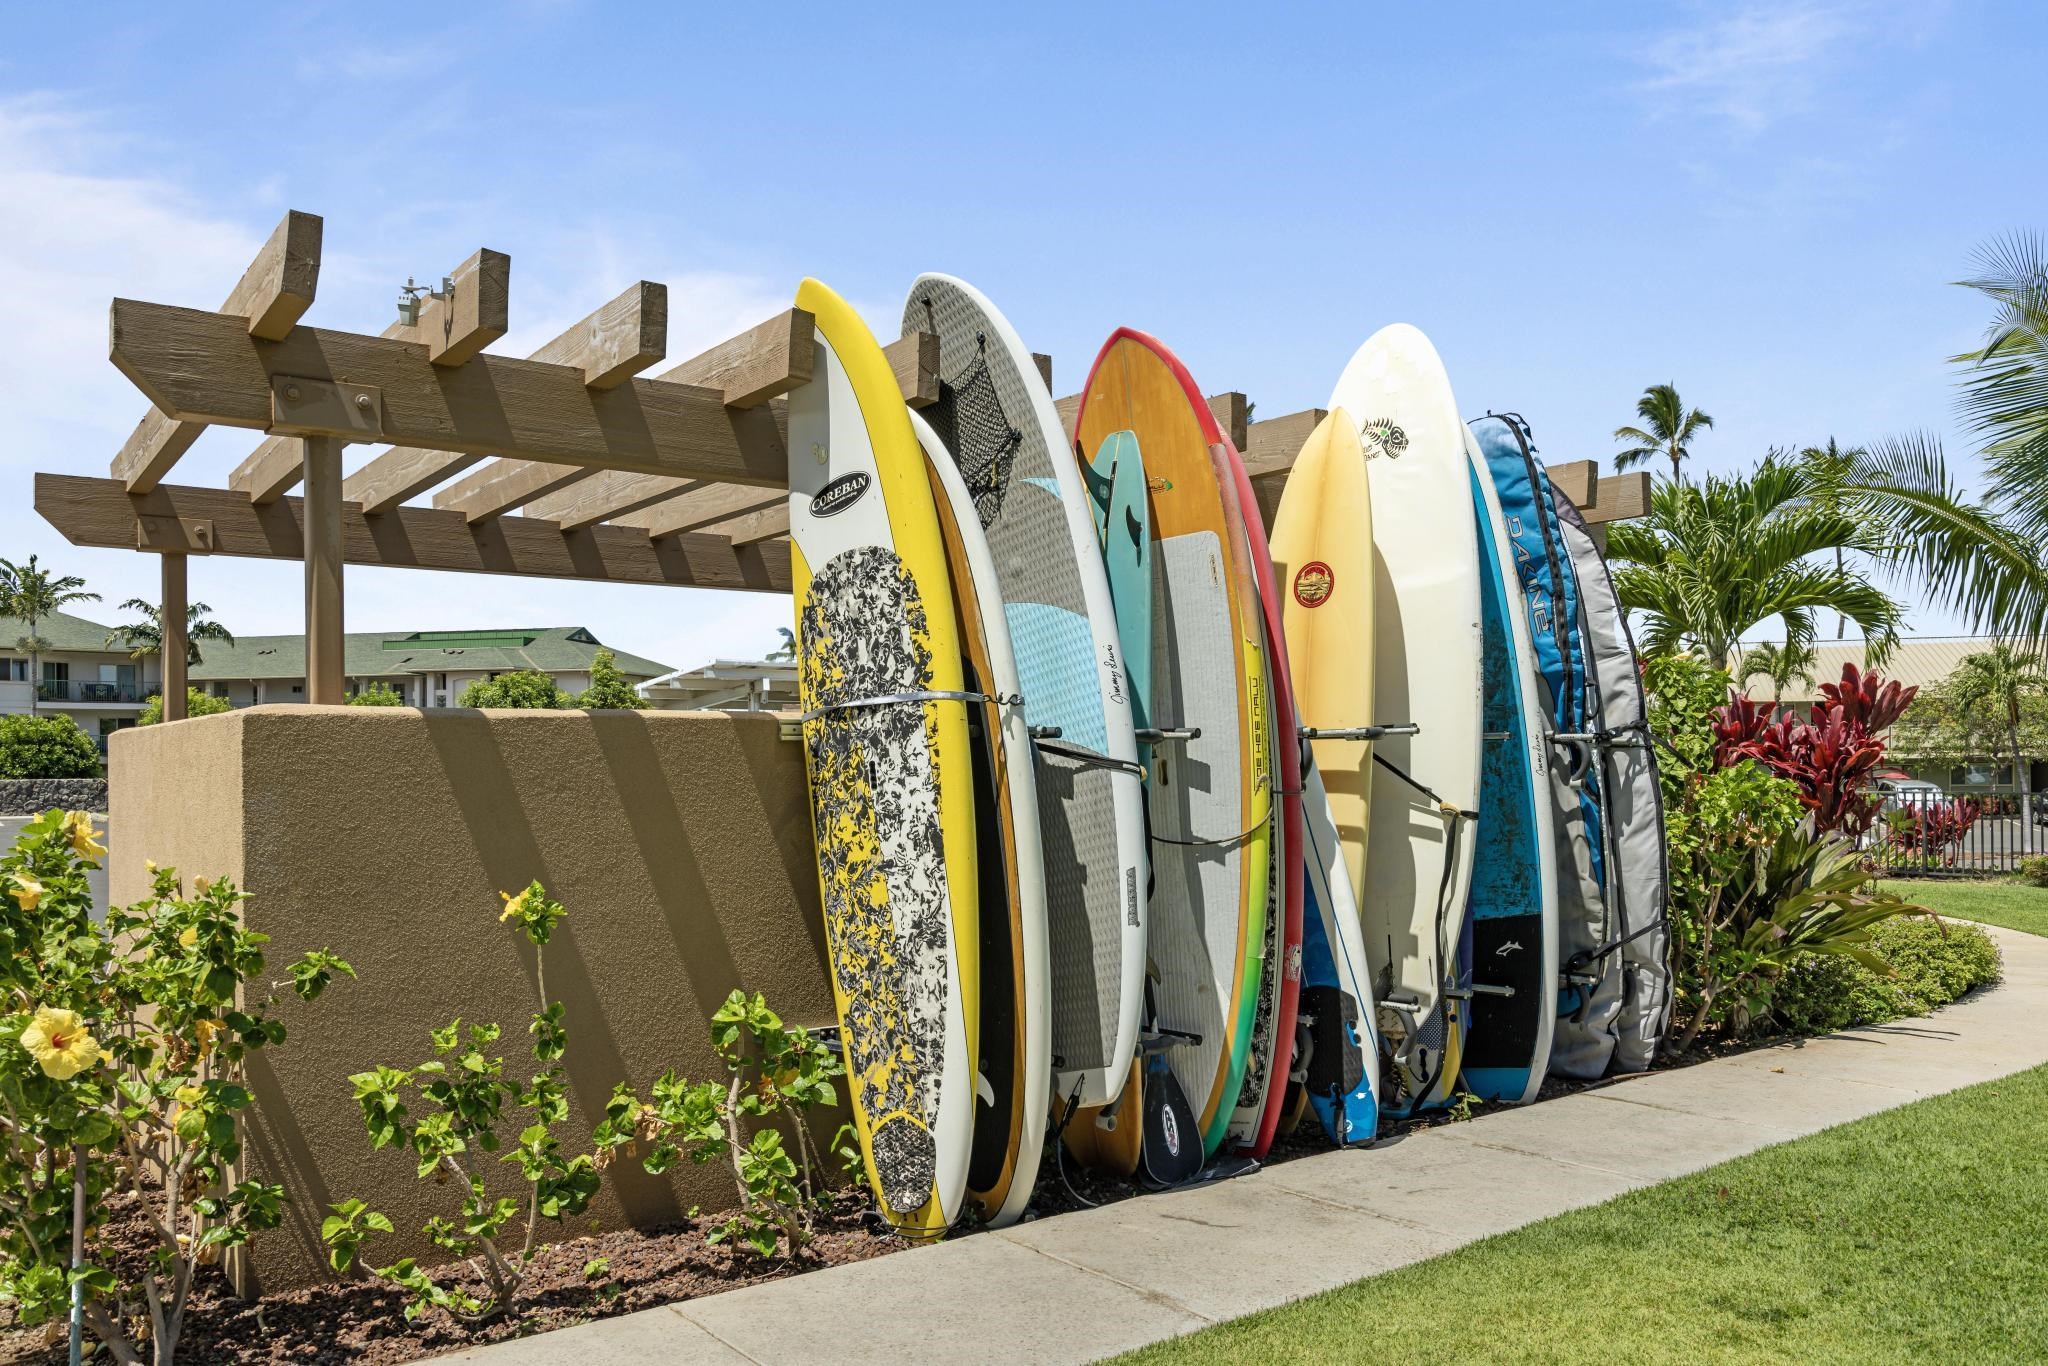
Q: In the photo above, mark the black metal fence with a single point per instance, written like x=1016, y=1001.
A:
x=1930, y=834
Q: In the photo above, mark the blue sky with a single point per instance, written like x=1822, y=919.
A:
x=1763, y=203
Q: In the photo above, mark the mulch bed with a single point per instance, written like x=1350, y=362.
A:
x=362, y=1323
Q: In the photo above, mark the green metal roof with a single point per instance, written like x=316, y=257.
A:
x=63, y=631
x=400, y=654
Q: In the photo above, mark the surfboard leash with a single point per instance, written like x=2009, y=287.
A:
x=901, y=698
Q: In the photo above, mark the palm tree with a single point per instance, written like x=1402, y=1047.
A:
x=1778, y=663
x=1714, y=560
x=1982, y=562
x=787, y=649
x=1668, y=430
x=1836, y=461
x=146, y=637
x=2005, y=384
x=29, y=593
x=2000, y=679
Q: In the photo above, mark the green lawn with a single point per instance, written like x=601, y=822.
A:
x=2014, y=905
x=1920, y=1233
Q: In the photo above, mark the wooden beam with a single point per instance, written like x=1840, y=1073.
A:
x=277, y=289
x=272, y=470
x=403, y=472
x=761, y=364
x=325, y=661
x=1067, y=407
x=453, y=330
x=1232, y=412
x=273, y=294
x=1270, y=446
x=914, y=357
x=609, y=495
x=503, y=485
x=1576, y=480
x=171, y=616
x=762, y=524
x=610, y=346
x=175, y=518
x=705, y=505
x=196, y=369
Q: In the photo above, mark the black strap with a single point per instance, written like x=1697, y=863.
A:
x=1585, y=958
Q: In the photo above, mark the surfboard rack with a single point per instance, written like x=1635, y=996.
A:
x=1359, y=732
x=1045, y=732
x=1165, y=735
x=1479, y=989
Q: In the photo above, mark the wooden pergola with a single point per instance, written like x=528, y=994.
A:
x=569, y=464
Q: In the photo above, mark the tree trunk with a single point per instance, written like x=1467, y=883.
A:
x=35, y=677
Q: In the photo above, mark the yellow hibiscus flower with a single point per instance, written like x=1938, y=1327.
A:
x=78, y=827
x=27, y=889
x=201, y=886
x=514, y=905
x=190, y=938
x=59, y=1040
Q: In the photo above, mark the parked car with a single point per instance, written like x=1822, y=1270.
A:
x=1901, y=794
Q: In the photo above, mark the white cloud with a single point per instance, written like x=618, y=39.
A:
x=79, y=226
x=1752, y=65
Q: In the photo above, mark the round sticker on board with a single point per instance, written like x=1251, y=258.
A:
x=1312, y=584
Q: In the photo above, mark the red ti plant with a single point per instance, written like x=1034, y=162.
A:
x=1933, y=831
x=1827, y=758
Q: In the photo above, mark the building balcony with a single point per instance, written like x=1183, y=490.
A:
x=67, y=692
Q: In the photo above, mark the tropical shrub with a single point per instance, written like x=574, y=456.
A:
x=1929, y=963
x=377, y=695
x=773, y=1070
x=457, y=1106
x=609, y=690
x=522, y=689
x=46, y=747
x=197, y=703
x=1756, y=878
x=466, y=1105
x=1829, y=757
x=124, y=1047
x=2035, y=870
x=1929, y=834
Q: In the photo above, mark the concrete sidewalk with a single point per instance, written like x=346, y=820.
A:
x=1082, y=1286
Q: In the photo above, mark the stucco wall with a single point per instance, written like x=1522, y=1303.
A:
x=679, y=842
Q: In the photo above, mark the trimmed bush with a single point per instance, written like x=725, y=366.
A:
x=2035, y=870
x=527, y=689
x=197, y=703
x=46, y=747
x=1933, y=962
x=377, y=695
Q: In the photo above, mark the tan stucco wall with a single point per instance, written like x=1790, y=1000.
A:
x=679, y=842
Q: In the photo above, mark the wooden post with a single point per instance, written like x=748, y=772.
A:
x=323, y=569
x=171, y=618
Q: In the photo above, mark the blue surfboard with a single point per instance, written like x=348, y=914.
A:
x=1513, y=900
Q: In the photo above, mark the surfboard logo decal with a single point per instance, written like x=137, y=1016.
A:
x=1313, y=583
x=841, y=494
x=1382, y=437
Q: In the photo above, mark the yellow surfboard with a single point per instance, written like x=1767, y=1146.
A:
x=891, y=773
x=1323, y=564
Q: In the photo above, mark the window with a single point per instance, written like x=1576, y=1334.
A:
x=13, y=670
x=56, y=671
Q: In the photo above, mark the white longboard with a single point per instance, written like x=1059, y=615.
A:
x=1426, y=671
x=1033, y=1067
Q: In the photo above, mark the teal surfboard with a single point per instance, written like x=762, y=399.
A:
x=1513, y=903
x=1116, y=498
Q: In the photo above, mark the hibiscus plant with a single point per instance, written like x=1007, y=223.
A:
x=453, y=1110
x=772, y=1069
x=124, y=1046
